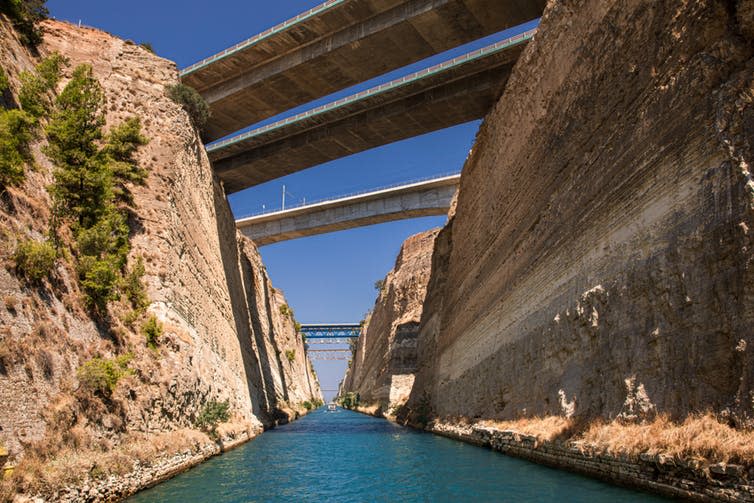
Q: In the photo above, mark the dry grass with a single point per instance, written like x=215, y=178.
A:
x=544, y=428
x=44, y=473
x=700, y=438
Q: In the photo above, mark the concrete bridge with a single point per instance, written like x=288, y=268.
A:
x=451, y=93
x=426, y=198
x=335, y=45
x=329, y=354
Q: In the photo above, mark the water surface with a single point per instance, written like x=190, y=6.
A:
x=343, y=456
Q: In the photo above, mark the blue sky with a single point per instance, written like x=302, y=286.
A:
x=327, y=278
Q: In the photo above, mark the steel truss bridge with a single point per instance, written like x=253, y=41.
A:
x=330, y=333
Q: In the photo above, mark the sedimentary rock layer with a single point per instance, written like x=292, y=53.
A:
x=602, y=238
x=383, y=365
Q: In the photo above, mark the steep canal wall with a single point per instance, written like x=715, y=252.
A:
x=597, y=269
x=601, y=246
x=382, y=369
x=224, y=337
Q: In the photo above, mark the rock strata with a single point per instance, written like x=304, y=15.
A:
x=602, y=233
x=384, y=361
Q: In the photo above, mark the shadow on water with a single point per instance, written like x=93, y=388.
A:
x=343, y=456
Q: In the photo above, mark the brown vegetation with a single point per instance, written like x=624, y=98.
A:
x=700, y=438
x=44, y=472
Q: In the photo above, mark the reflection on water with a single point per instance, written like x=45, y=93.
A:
x=345, y=456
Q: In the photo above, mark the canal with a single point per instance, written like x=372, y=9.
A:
x=343, y=456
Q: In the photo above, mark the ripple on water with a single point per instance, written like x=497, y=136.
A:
x=343, y=456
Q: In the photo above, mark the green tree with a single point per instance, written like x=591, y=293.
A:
x=16, y=133
x=122, y=143
x=99, y=278
x=37, y=86
x=83, y=182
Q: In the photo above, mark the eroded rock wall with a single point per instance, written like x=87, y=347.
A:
x=602, y=236
x=383, y=365
x=225, y=336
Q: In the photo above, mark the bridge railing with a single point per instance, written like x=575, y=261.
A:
x=261, y=36
x=484, y=51
x=296, y=206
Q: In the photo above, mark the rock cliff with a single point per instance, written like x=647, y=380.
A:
x=384, y=362
x=600, y=258
x=227, y=335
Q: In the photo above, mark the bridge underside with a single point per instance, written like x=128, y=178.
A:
x=342, y=43
x=417, y=200
x=455, y=95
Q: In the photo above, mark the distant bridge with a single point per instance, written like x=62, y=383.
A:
x=335, y=45
x=329, y=354
x=329, y=331
x=425, y=198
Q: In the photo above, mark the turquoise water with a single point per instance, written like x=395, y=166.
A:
x=344, y=456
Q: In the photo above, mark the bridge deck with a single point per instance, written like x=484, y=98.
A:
x=429, y=197
x=448, y=94
x=335, y=45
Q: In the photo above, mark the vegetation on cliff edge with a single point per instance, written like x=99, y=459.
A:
x=25, y=16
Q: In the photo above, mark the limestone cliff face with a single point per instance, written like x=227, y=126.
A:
x=225, y=335
x=383, y=366
x=603, y=233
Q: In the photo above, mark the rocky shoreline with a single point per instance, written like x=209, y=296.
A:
x=119, y=487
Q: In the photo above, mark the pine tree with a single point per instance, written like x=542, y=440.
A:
x=83, y=182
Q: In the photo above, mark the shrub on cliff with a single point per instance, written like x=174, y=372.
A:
x=25, y=14
x=152, y=330
x=192, y=102
x=37, y=86
x=35, y=260
x=133, y=288
x=212, y=414
x=147, y=46
x=350, y=400
x=4, y=82
x=16, y=133
x=101, y=375
x=291, y=355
